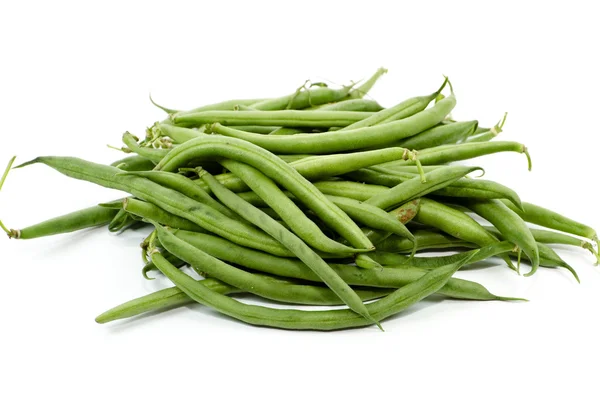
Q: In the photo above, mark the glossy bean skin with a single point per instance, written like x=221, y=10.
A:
x=290, y=118
x=549, y=219
x=414, y=188
x=312, y=320
x=291, y=242
x=440, y=135
x=346, y=140
x=270, y=288
x=274, y=168
x=167, y=199
x=186, y=187
x=293, y=268
x=350, y=189
x=71, y=222
x=134, y=163
x=401, y=110
x=154, y=155
x=512, y=227
x=270, y=194
x=464, y=151
x=351, y=105
x=149, y=211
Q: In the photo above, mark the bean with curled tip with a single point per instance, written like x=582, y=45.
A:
x=291, y=242
x=314, y=320
x=464, y=151
x=134, y=163
x=414, y=188
x=167, y=199
x=267, y=191
x=550, y=219
x=511, y=225
x=276, y=169
x=345, y=140
x=402, y=110
x=293, y=268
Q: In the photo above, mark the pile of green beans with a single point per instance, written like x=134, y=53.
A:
x=321, y=197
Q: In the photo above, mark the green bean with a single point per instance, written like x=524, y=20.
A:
x=484, y=135
x=439, y=135
x=285, y=208
x=345, y=140
x=362, y=90
x=553, y=220
x=464, y=151
x=186, y=187
x=314, y=320
x=263, y=130
x=291, y=118
x=149, y=211
x=163, y=299
x=274, y=168
x=413, y=188
x=402, y=110
x=303, y=99
x=71, y=222
x=167, y=199
x=404, y=214
x=364, y=261
x=120, y=221
x=293, y=268
x=133, y=163
x=265, y=287
x=291, y=242
x=154, y=155
x=178, y=134
x=224, y=105
x=395, y=260
x=425, y=240
x=350, y=105
x=349, y=189
x=512, y=227
x=285, y=131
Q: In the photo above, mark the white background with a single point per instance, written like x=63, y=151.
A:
x=75, y=76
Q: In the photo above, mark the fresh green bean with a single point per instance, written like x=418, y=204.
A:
x=553, y=220
x=303, y=99
x=134, y=163
x=362, y=90
x=285, y=208
x=350, y=189
x=404, y=214
x=291, y=242
x=414, y=188
x=149, y=211
x=439, y=135
x=154, y=155
x=274, y=168
x=350, y=105
x=402, y=110
x=291, y=118
x=167, y=199
x=345, y=140
x=425, y=240
x=314, y=320
x=512, y=227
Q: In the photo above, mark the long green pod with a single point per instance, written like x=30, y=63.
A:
x=401, y=110
x=313, y=320
x=154, y=155
x=134, y=163
x=303, y=99
x=345, y=140
x=404, y=214
x=291, y=242
x=186, y=187
x=425, y=240
x=276, y=169
x=550, y=219
x=71, y=222
x=511, y=225
x=350, y=105
x=160, y=300
x=350, y=189
x=355, y=276
x=414, y=188
x=267, y=191
x=149, y=211
x=253, y=283
x=464, y=151
x=439, y=135
x=291, y=118
x=360, y=91
x=167, y=199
